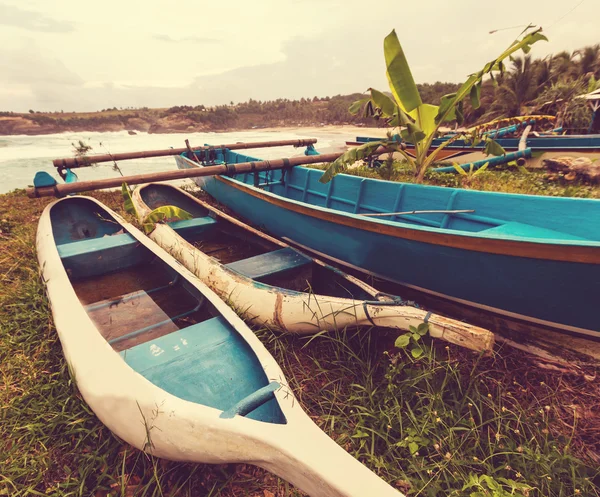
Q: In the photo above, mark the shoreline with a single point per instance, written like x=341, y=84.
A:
x=339, y=128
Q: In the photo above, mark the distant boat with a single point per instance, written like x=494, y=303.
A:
x=529, y=258
x=168, y=367
x=572, y=144
x=277, y=286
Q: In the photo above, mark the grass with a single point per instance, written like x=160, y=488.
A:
x=428, y=425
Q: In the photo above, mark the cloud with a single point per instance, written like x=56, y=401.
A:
x=184, y=39
x=32, y=21
x=28, y=64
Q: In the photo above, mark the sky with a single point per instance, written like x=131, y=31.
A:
x=78, y=55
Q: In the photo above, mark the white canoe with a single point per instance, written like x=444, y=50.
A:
x=171, y=369
x=277, y=286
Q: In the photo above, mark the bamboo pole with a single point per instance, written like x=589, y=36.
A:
x=228, y=169
x=72, y=162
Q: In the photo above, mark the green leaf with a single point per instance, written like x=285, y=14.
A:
x=402, y=341
x=493, y=148
x=399, y=75
x=413, y=448
x=383, y=102
x=128, y=201
x=416, y=352
x=349, y=157
x=356, y=106
x=412, y=134
x=482, y=169
x=165, y=213
x=424, y=117
x=459, y=169
x=445, y=104
x=423, y=329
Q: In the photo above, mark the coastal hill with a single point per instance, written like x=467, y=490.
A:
x=186, y=118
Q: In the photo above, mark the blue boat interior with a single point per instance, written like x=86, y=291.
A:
x=495, y=215
x=246, y=253
x=160, y=324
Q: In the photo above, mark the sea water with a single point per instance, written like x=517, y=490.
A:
x=22, y=156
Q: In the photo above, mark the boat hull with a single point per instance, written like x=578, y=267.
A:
x=170, y=427
x=544, y=284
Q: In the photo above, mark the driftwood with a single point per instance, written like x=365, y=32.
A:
x=573, y=168
x=88, y=160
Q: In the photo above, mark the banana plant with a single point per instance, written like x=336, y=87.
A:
x=158, y=215
x=419, y=122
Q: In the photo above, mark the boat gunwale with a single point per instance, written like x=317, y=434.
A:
x=581, y=251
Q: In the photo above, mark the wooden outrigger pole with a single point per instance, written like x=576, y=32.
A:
x=225, y=169
x=88, y=160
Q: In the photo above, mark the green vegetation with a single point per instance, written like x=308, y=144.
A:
x=433, y=420
x=418, y=122
x=160, y=214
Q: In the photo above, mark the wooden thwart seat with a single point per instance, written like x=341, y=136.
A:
x=269, y=264
x=96, y=256
x=92, y=245
x=190, y=228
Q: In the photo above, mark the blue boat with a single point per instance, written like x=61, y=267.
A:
x=584, y=144
x=528, y=258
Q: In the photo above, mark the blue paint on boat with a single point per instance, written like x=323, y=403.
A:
x=193, y=228
x=70, y=176
x=494, y=258
x=491, y=162
x=205, y=360
x=311, y=150
x=273, y=263
x=253, y=401
x=198, y=364
x=575, y=143
x=42, y=178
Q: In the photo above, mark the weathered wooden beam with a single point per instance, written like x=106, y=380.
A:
x=73, y=162
x=523, y=145
x=227, y=169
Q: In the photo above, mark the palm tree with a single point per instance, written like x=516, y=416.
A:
x=516, y=88
x=563, y=66
x=588, y=62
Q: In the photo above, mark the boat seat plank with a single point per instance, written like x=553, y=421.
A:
x=530, y=231
x=207, y=363
x=269, y=264
x=96, y=256
x=91, y=245
x=191, y=228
